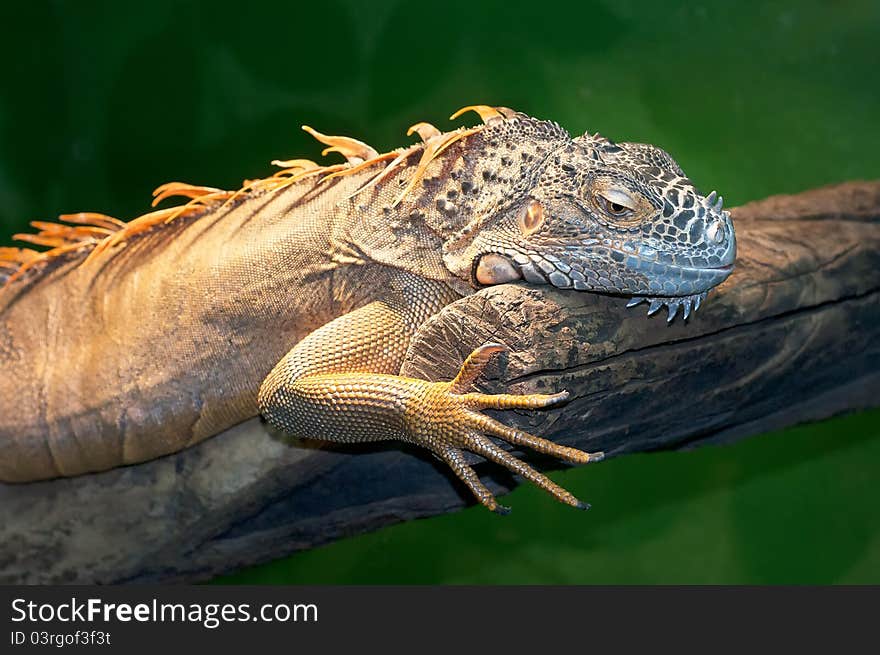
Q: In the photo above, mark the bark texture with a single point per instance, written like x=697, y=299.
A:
x=793, y=335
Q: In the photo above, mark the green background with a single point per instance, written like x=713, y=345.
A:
x=102, y=102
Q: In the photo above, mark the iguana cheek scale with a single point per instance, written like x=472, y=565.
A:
x=297, y=296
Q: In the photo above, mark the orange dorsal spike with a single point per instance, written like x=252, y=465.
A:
x=486, y=112
x=17, y=256
x=139, y=225
x=93, y=218
x=55, y=235
x=41, y=240
x=353, y=150
x=92, y=233
x=424, y=130
x=70, y=233
x=433, y=147
x=31, y=259
x=384, y=173
x=294, y=163
x=170, y=189
x=362, y=166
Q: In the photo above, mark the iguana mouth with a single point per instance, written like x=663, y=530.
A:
x=494, y=268
x=689, y=303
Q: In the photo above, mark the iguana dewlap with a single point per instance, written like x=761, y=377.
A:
x=297, y=296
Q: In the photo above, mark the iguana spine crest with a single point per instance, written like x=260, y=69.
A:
x=94, y=232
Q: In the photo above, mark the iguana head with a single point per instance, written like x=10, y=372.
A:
x=619, y=218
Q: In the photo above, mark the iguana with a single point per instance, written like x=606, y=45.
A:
x=297, y=296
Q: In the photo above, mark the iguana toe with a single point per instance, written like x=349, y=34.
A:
x=448, y=421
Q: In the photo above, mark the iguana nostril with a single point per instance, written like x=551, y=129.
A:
x=715, y=232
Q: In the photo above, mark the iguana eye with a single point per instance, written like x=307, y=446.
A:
x=615, y=203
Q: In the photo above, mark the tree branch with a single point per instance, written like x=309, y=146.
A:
x=792, y=336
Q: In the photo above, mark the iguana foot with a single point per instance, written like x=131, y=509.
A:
x=447, y=420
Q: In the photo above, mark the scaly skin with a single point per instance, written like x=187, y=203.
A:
x=298, y=296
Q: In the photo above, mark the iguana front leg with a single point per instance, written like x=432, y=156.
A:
x=340, y=384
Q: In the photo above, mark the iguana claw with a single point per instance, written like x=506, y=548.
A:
x=448, y=421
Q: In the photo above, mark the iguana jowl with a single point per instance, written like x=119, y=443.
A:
x=298, y=295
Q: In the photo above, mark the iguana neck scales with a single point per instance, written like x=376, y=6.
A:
x=298, y=295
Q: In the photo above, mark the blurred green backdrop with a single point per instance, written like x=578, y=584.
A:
x=102, y=102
